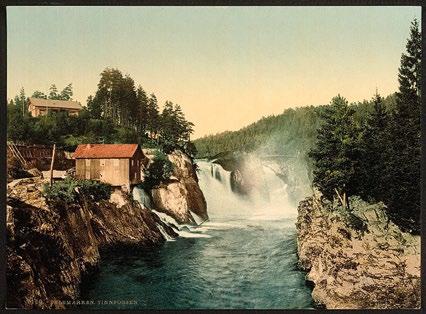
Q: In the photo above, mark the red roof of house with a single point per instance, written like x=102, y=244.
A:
x=105, y=150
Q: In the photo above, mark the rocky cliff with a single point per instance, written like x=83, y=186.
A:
x=358, y=260
x=180, y=197
x=49, y=249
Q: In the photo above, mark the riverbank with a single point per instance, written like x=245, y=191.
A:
x=358, y=261
x=50, y=248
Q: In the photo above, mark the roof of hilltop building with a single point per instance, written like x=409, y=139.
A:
x=105, y=151
x=54, y=103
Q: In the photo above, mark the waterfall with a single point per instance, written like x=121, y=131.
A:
x=269, y=202
x=215, y=183
x=277, y=205
x=221, y=175
x=164, y=233
x=142, y=197
x=244, y=257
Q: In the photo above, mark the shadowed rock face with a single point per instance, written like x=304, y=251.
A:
x=182, y=195
x=376, y=266
x=49, y=249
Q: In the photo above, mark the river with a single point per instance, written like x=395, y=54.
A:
x=244, y=257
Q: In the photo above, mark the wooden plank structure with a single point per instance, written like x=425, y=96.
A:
x=116, y=164
x=52, y=163
x=40, y=106
x=17, y=154
x=39, y=156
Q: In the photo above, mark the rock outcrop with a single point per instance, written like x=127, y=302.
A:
x=181, y=196
x=49, y=249
x=359, y=260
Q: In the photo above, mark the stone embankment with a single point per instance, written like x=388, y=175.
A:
x=359, y=260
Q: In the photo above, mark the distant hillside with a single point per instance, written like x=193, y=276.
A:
x=291, y=133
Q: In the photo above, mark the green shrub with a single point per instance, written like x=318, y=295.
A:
x=66, y=191
x=61, y=192
x=126, y=135
x=99, y=190
x=159, y=170
x=149, y=143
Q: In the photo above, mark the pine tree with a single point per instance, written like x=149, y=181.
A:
x=336, y=153
x=17, y=126
x=153, y=124
x=53, y=92
x=21, y=102
x=373, y=145
x=94, y=108
x=128, y=104
x=142, y=113
x=109, y=94
x=184, y=127
x=38, y=94
x=403, y=167
x=66, y=93
x=168, y=126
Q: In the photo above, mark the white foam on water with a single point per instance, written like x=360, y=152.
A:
x=219, y=226
x=184, y=231
x=164, y=233
x=143, y=198
x=221, y=201
x=189, y=234
x=198, y=220
x=169, y=220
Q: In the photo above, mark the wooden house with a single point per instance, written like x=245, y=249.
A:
x=40, y=106
x=116, y=164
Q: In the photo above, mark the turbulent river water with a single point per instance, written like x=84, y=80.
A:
x=244, y=257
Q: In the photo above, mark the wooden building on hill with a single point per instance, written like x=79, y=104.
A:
x=40, y=106
x=116, y=164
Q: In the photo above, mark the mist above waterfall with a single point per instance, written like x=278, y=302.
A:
x=267, y=200
x=280, y=142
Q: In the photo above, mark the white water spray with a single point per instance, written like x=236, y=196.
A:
x=271, y=203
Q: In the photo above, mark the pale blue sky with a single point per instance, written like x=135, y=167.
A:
x=226, y=66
